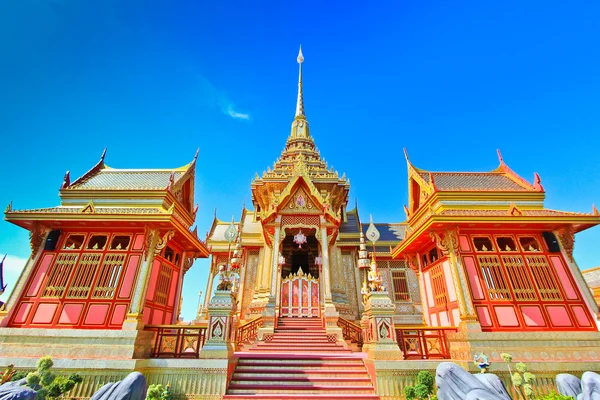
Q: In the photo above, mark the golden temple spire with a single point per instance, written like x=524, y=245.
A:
x=300, y=102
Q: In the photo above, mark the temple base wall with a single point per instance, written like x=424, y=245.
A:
x=75, y=343
x=528, y=347
x=101, y=357
x=393, y=376
x=207, y=378
x=189, y=379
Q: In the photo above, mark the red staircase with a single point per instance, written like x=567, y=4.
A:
x=300, y=362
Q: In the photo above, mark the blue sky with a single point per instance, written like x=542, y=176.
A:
x=154, y=80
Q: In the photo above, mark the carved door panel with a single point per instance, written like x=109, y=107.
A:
x=300, y=295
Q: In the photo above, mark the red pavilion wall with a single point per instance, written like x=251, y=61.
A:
x=440, y=301
x=85, y=283
x=518, y=284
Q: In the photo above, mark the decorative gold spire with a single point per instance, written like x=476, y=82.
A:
x=300, y=102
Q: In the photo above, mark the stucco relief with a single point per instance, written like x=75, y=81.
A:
x=250, y=278
x=347, y=260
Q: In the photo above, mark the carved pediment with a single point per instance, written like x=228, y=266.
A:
x=300, y=197
x=300, y=201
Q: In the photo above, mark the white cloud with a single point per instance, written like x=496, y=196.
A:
x=210, y=95
x=236, y=115
x=12, y=269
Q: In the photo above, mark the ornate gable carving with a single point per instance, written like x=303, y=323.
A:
x=300, y=201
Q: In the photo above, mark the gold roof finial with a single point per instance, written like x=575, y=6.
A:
x=300, y=102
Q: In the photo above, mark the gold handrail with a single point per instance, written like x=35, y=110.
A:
x=249, y=322
x=351, y=323
x=176, y=326
x=425, y=327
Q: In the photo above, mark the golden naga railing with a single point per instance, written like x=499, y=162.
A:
x=177, y=341
x=351, y=331
x=248, y=332
x=424, y=342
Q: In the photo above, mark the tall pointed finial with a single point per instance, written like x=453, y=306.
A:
x=300, y=102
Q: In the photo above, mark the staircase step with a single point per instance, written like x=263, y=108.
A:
x=299, y=362
x=316, y=369
x=301, y=380
x=300, y=349
x=276, y=363
x=295, y=346
x=298, y=338
x=295, y=396
x=289, y=357
x=288, y=389
x=306, y=351
x=297, y=373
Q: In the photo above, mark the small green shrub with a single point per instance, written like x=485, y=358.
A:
x=46, y=384
x=409, y=392
x=159, y=392
x=19, y=375
x=33, y=379
x=45, y=363
x=521, y=379
x=423, y=389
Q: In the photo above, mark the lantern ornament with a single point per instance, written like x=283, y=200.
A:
x=228, y=277
x=299, y=238
x=319, y=260
x=237, y=256
x=372, y=232
x=371, y=277
x=363, y=254
x=231, y=233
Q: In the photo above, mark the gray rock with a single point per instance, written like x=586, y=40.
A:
x=454, y=383
x=590, y=386
x=568, y=385
x=493, y=383
x=133, y=387
x=19, y=382
x=16, y=391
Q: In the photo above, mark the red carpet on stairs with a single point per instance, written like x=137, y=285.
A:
x=300, y=362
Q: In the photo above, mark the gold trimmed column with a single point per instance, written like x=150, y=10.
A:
x=447, y=243
x=331, y=314
x=275, y=260
x=266, y=275
x=270, y=313
x=153, y=245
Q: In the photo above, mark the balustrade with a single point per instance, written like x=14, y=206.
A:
x=351, y=331
x=248, y=332
x=177, y=341
x=424, y=342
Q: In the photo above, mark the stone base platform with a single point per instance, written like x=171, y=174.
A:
x=75, y=343
x=189, y=379
x=207, y=378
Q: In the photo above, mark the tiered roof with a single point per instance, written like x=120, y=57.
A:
x=493, y=199
x=299, y=159
x=128, y=197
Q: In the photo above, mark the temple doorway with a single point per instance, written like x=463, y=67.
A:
x=300, y=291
x=300, y=256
